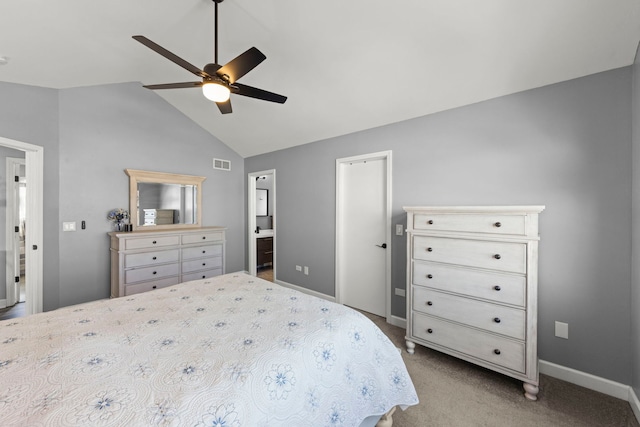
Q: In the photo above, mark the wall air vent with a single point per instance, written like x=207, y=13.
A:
x=224, y=165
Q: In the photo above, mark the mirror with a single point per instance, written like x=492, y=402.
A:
x=164, y=200
x=262, y=202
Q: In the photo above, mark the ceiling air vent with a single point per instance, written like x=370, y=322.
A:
x=224, y=165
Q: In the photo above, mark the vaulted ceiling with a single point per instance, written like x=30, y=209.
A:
x=346, y=65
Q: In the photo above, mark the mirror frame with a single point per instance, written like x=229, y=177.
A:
x=136, y=176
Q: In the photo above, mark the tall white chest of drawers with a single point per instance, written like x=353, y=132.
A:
x=472, y=275
x=146, y=260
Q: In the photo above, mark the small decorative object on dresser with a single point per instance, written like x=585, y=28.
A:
x=117, y=216
x=472, y=277
x=146, y=260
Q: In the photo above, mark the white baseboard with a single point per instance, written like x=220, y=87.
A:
x=634, y=402
x=400, y=322
x=305, y=290
x=586, y=380
x=3, y=303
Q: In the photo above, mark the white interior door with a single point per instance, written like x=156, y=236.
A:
x=14, y=230
x=363, y=237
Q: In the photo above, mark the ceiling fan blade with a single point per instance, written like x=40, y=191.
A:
x=224, y=107
x=171, y=56
x=174, y=85
x=253, y=92
x=241, y=65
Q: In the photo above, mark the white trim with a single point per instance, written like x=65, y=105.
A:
x=305, y=290
x=400, y=322
x=635, y=403
x=10, y=223
x=387, y=157
x=34, y=158
x=3, y=303
x=584, y=379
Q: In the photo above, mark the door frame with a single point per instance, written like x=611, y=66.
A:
x=251, y=220
x=387, y=157
x=34, y=160
x=12, y=252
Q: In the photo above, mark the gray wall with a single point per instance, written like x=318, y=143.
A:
x=30, y=114
x=566, y=146
x=106, y=129
x=4, y=153
x=635, y=284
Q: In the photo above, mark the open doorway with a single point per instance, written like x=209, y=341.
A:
x=261, y=224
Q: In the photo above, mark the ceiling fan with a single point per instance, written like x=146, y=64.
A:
x=218, y=81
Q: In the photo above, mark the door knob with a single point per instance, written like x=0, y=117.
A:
x=383, y=246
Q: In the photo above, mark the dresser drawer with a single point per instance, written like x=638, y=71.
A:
x=482, y=345
x=202, y=251
x=504, y=288
x=151, y=242
x=151, y=258
x=206, y=274
x=149, y=286
x=151, y=273
x=201, y=264
x=484, y=315
x=501, y=256
x=188, y=239
x=472, y=223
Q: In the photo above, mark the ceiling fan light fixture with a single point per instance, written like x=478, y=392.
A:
x=216, y=92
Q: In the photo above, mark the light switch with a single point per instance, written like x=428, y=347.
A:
x=69, y=226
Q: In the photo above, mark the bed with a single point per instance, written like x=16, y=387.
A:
x=234, y=351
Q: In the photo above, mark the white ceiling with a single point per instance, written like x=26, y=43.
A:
x=346, y=65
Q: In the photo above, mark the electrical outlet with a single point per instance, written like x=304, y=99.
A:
x=298, y=268
x=398, y=229
x=306, y=270
x=562, y=330
x=69, y=226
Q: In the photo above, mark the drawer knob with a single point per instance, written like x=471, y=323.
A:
x=496, y=287
x=204, y=237
x=496, y=351
x=155, y=272
x=204, y=277
x=429, y=249
x=154, y=242
x=204, y=252
x=497, y=256
x=496, y=319
x=429, y=276
x=154, y=286
x=429, y=303
x=498, y=224
x=430, y=222
x=155, y=258
x=204, y=263
x=430, y=330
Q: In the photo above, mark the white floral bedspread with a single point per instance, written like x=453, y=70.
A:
x=230, y=351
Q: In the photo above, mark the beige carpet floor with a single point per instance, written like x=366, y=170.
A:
x=456, y=393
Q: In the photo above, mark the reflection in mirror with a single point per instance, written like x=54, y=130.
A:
x=164, y=200
x=162, y=204
x=262, y=202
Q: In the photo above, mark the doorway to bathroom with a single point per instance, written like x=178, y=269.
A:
x=261, y=224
